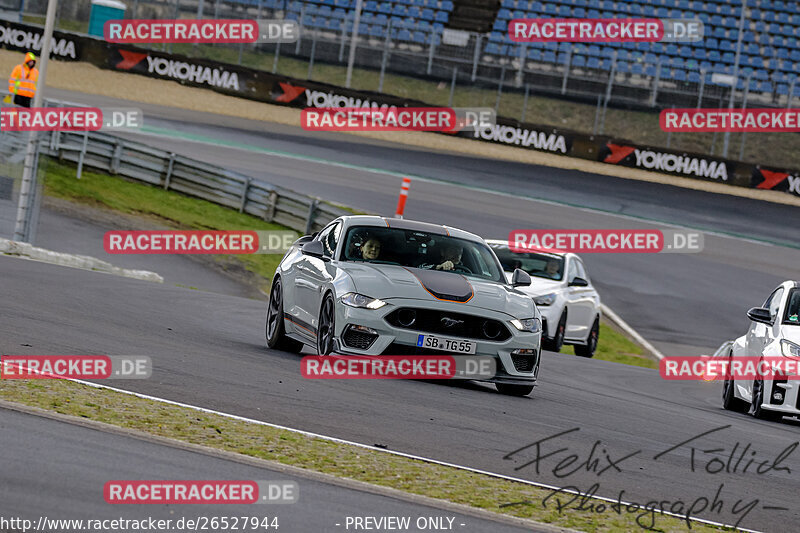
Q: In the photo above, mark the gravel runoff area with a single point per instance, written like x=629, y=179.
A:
x=86, y=78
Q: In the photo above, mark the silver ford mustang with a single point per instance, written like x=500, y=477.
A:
x=367, y=285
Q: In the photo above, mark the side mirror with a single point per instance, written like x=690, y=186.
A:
x=314, y=249
x=760, y=314
x=578, y=282
x=520, y=278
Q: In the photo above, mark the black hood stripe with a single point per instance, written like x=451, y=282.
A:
x=443, y=285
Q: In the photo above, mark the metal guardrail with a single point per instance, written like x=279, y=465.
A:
x=170, y=171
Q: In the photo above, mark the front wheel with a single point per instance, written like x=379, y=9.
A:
x=729, y=400
x=325, y=331
x=588, y=349
x=514, y=390
x=758, y=399
x=275, y=332
x=555, y=344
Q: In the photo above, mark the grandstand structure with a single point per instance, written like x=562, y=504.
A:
x=472, y=35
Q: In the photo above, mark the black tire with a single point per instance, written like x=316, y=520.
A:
x=555, y=344
x=514, y=390
x=274, y=330
x=729, y=400
x=758, y=399
x=326, y=327
x=588, y=349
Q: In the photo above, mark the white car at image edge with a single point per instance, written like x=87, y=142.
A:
x=774, y=332
x=563, y=292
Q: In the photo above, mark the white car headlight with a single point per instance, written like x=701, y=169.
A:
x=545, y=299
x=354, y=299
x=790, y=349
x=531, y=325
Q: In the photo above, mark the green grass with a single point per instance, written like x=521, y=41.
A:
x=169, y=207
x=616, y=347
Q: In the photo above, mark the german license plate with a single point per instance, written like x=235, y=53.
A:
x=446, y=344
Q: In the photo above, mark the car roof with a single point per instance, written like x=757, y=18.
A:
x=501, y=242
x=402, y=223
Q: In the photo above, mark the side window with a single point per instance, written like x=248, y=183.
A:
x=332, y=240
x=323, y=237
x=775, y=303
x=572, y=271
x=582, y=270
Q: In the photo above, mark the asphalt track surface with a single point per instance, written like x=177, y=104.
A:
x=208, y=350
x=59, y=470
x=685, y=304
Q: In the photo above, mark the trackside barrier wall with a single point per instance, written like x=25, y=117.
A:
x=139, y=162
x=266, y=87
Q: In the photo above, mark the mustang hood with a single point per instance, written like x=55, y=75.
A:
x=392, y=281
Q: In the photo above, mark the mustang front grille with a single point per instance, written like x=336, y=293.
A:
x=448, y=324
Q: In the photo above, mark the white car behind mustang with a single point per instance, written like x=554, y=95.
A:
x=774, y=333
x=564, y=294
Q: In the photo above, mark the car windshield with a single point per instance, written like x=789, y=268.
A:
x=792, y=316
x=536, y=264
x=419, y=249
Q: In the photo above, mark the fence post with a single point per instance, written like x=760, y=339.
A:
x=500, y=88
x=114, y=164
x=82, y=154
x=269, y=214
x=343, y=28
x=384, y=57
x=431, y=48
x=313, y=51
x=656, y=79
x=275, y=57
x=168, y=177
x=452, y=87
x=566, y=71
x=476, y=56
x=244, y=194
x=702, y=86
x=744, y=106
x=669, y=134
x=597, y=114
x=312, y=209
x=523, y=53
x=791, y=95
x=300, y=37
x=525, y=102
x=608, y=90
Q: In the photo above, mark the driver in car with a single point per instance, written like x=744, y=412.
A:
x=371, y=249
x=450, y=258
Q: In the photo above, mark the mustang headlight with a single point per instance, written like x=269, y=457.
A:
x=354, y=299
x=790, y=349
x=531, y=325
x=545, y=299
